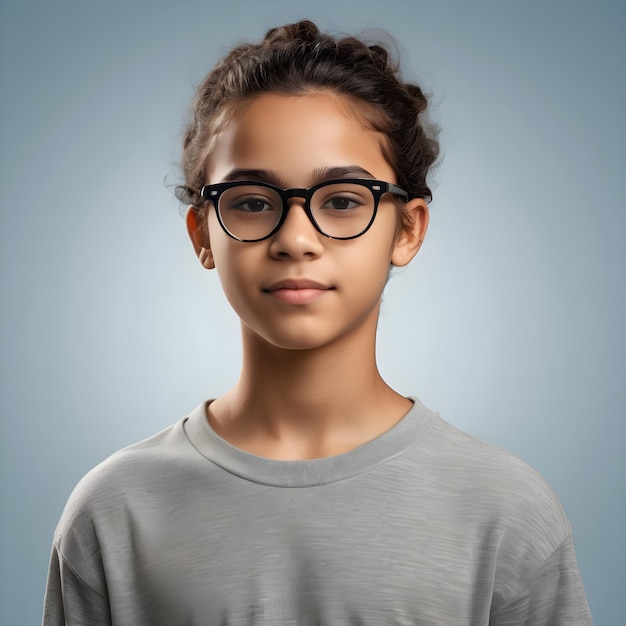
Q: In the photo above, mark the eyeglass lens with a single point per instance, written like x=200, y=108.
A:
x=340, y=209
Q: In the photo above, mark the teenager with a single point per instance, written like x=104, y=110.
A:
x=311, y=492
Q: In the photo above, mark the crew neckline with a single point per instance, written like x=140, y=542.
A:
x=311, y=472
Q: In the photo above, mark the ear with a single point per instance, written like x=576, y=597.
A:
x=198, y=230
x=410, y=238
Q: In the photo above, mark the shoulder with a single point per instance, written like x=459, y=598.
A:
x=123, y=465
x=490, y=465
x=487, y=484
x=125, y=482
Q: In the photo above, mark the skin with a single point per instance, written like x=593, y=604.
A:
x=309, y=385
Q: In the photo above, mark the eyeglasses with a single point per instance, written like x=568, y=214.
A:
x=338, y=209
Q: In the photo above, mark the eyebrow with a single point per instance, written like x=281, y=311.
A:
x=320, y=175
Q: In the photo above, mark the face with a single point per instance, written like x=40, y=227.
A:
x=299, y=289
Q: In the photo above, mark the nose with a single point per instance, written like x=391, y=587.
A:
x=297, y=238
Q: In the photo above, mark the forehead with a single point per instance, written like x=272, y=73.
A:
x=296, y=135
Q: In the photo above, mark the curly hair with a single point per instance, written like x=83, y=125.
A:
x=296, y=59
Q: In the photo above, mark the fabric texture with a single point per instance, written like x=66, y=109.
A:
x=425, y=525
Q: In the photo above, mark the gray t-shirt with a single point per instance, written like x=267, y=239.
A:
x=423, y=525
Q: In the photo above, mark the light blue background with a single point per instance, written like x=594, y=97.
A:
x=510, y=322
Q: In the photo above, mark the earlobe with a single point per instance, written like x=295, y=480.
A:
x=199, y=235
x=410, y=238
x=206, y=258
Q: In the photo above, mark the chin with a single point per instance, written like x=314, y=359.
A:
x=299, y=343
x=294, y=338
x=311, y=334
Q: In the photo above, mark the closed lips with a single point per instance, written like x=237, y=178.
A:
x=301, y=292
x=296, y=284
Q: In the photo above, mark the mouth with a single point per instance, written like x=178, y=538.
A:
x=297, y=291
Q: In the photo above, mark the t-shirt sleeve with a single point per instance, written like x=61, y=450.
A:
x=552, y=596
x=70, y=600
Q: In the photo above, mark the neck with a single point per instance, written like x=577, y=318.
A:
x=307, y=403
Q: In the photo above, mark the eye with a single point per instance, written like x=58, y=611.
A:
x=251, y=204
x=341, y=203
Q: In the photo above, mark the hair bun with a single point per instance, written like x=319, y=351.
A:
x=421, y=102
x=304, y=31
x=380, y=56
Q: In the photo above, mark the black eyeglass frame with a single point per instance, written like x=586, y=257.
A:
x=378, y=188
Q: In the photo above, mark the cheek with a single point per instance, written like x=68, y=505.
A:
x=224, y=249
x=380, y=244
x=234, y=263
x=368, y=265
x=235, y=292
